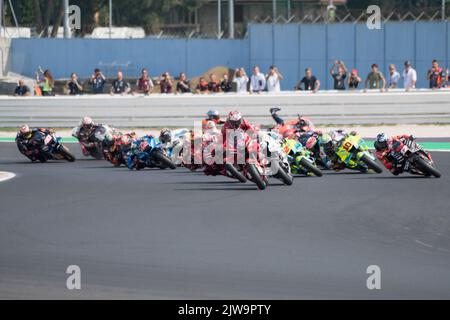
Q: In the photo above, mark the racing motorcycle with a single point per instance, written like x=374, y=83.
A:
x=248, y=167
x=274, y=159
x=116, y=148
x=94, y=145
x=147, y=152
x=49, y=147
x=300, y=158
x=415, y=160
x=312, y=142
x=353, y=153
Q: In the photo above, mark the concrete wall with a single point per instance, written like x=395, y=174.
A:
x=292, y=47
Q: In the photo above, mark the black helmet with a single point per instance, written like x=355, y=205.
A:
x=165, y=136
x=382, y=142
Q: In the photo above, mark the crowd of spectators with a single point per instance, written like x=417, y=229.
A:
x=240, y=81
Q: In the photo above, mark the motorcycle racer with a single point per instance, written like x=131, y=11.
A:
x=83, y=133
x=388, y=151
x=212, y=115
x=24, y=137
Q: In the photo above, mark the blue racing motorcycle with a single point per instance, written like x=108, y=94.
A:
x=147, y=152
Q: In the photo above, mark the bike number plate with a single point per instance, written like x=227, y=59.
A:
x=47, y=139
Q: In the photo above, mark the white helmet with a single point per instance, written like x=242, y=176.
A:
x=87, y=121
x=24, y=129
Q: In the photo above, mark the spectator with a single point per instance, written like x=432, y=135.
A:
x=257, y=81
x=409, y=76
x=47, y=83
x=225, y=85
x=394, y=77
x=436, y=75
x=183, y=84
x=22, y=90
x=241, y=79
x=144, y=84
x=202, y=86
x=120, y=86
x=97, y=81
x=310, y=82
x=339, y=75
x=73, y=86
x=354, y=80
x=166, y=83
x=213, y=84
x=273, y=79
x=375, y=79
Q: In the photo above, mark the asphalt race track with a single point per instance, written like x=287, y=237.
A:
x=177, y=234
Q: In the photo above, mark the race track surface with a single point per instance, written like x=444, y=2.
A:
x=177, y=234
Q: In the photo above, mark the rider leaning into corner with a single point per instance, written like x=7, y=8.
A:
x=388, y=151
x=83, y=133
x=24, y=137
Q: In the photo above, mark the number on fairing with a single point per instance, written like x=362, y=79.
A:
x=347, y=146
x=47, y=139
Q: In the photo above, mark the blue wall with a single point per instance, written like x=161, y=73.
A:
x=292, y=47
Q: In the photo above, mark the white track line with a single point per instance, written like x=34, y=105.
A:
x=6, y=176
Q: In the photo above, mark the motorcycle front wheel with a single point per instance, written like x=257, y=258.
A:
x=311, y=167
x=256, y=178
x=284, y=176
x=166, y=161
x=371, y=164
x=426, y=168
x=234, y=172
x=66, y=154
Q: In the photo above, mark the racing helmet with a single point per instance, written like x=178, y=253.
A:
x=381, y=143
x=25, y=131
x=304, y=124
x=87, y=122
x=213, y=115
x=235, y=119
x=165, y=136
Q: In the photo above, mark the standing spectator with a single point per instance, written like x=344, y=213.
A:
x=144, y=84
x=273, y=79
x=22, y=90
x=241, y=79
x=73, y=86
x=436, y=75
x=202, y=86
x=409, y=76
x=394, y=77
x=375, y=79
x=166, y=83
x=47, y=83
x=257, y=81
x=120, y=86
x=309, y=82
x=354, y=80
x=339, y=75
x=183, y=84
x=97, y=81
x=213, y=84
x=225, y=85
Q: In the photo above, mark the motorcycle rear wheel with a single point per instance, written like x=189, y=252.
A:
x=426, y=168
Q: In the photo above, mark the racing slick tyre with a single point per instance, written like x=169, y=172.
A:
x=426, y=168
x=165, y=160
x=311, y=167
x=371, y=164
x=67, y=155
x=234, y=172
x=285, y=176
x=256, y=178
